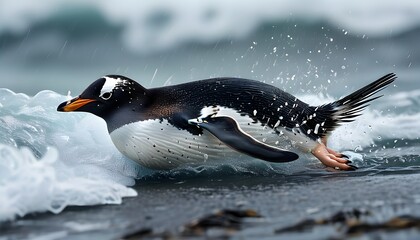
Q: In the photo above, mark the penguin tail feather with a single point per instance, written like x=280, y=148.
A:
x=325, y=118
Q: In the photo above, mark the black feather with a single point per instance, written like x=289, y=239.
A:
x=331, y=115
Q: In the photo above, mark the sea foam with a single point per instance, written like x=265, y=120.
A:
x=29, y=184
x=50, y=160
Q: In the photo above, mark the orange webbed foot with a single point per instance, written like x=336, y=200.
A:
x=331, y=158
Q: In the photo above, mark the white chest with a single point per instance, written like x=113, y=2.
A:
x=159, y=145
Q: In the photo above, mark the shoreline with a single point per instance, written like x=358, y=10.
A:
x=167, y=207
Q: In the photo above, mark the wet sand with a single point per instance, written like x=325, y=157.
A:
x=164, y=207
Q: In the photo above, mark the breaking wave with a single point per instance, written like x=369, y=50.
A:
x=158, y=25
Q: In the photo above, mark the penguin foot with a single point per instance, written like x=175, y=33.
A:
x=331, y=158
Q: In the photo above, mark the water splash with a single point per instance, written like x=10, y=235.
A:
x=29, y=184
x=81, y=168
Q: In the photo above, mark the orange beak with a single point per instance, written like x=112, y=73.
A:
x=74, y=104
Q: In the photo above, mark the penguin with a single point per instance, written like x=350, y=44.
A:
x=218, y=118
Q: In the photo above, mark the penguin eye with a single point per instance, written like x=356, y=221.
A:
x=106, y=95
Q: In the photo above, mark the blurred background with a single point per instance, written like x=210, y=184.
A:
x=305, y=46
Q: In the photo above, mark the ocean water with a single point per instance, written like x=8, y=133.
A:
x=52, y=160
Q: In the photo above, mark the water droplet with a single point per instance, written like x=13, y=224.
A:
x=358, y=148
x=206, y=157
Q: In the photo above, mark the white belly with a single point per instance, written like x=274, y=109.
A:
x=159, y=145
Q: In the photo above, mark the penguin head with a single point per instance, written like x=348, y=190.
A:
x=107, y=95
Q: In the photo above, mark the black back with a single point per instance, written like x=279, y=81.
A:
x=262, y=102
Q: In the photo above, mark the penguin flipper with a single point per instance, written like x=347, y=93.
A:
x=227, y=130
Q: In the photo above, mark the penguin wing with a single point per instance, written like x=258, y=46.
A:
x=227, y=130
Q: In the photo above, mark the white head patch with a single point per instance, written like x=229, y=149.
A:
x=112, y=83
